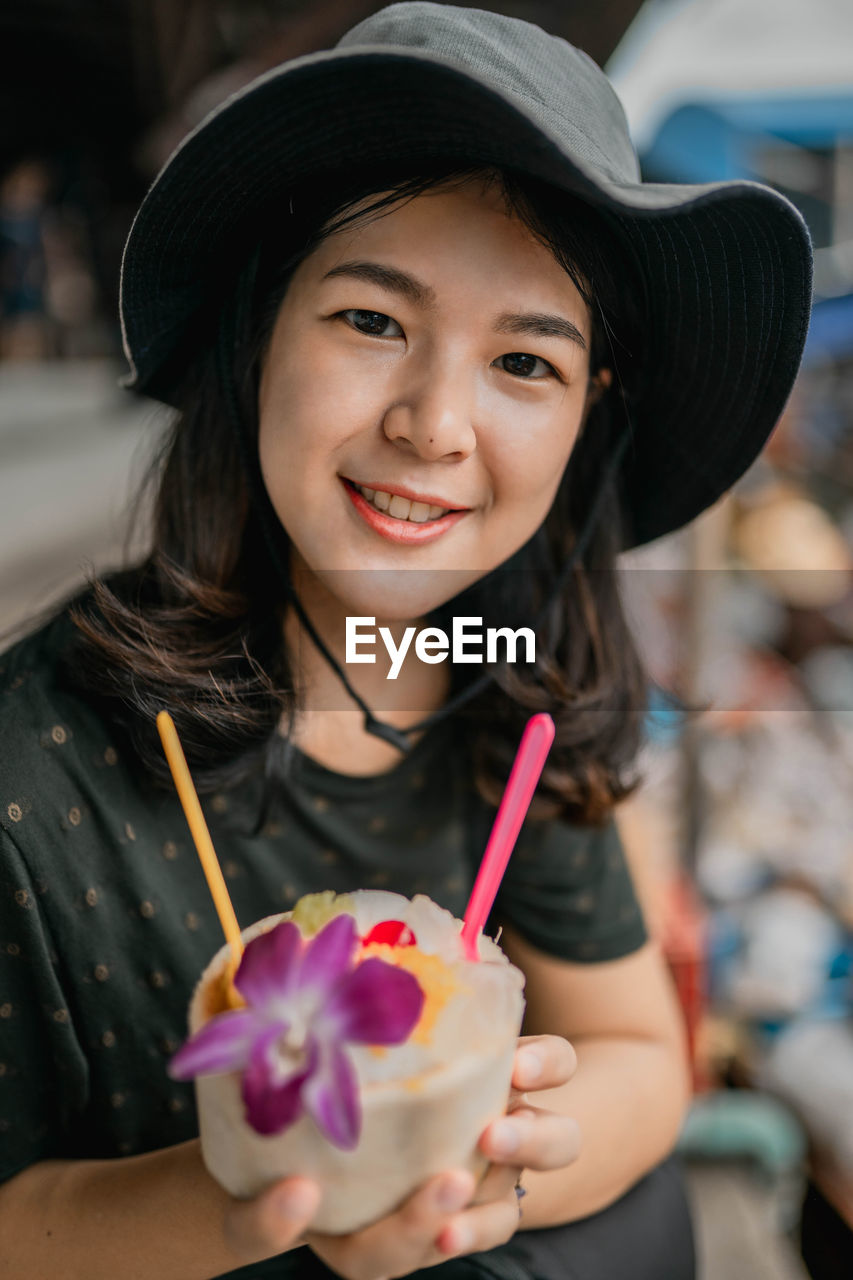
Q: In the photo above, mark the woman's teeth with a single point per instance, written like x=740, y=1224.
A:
x=401, y=508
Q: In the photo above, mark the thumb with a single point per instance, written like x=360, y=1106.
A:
x=273, y=1221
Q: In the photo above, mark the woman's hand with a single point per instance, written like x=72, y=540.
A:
x=527, y=1137
x=271, y=1222
x=449, y=1215
x=405, y=1240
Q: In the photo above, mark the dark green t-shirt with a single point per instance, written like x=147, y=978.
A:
x=106, y=921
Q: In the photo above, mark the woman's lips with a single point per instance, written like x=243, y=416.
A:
x=395, y=530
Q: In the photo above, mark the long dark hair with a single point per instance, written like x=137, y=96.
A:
x=198, y=626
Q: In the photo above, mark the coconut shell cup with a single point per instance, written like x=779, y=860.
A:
x=424, y=1106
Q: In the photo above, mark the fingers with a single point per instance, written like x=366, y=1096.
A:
x=425, y=1212
x=532, y=1138
x=483, y=1227
x=403, y=1241
x=273, y=1221
x=498, y=1181
x=543, y=1062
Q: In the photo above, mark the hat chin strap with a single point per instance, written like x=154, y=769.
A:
x=272, y=532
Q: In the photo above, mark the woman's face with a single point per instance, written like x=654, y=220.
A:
x=424, y=386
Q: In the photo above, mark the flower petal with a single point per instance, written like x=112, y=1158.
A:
x=331, y=1097
x=375, y=1004
x=271, y=1103
x=268, y=968
x=329, y=954
x=222, y=1044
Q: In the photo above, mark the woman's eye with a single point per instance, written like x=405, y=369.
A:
x=522, y=365
x=375, y=323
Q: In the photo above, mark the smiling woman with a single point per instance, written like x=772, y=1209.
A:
x=438, y=354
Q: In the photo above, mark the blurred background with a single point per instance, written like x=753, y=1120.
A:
x=741, y=835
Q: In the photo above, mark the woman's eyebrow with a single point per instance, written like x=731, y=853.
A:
x=387, y=278
x=534, y=324
x=540, y=325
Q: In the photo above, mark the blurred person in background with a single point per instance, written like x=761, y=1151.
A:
x=24, y=330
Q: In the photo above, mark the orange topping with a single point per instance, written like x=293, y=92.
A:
x=222, y=995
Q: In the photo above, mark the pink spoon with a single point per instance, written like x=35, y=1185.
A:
x=526, y=770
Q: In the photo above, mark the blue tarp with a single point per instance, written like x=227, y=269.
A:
x=709, y=141
x=831, y=331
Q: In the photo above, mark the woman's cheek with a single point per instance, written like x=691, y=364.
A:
x=332, y=399
x=528, y=471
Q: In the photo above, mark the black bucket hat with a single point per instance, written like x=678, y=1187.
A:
x=726, y=266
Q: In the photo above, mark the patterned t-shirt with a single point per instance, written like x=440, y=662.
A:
x=106, y=921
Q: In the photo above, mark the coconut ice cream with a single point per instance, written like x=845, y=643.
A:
x=355, y=1045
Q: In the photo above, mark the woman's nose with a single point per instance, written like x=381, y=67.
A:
x=433, y=417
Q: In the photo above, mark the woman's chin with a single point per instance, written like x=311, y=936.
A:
x=394, y=595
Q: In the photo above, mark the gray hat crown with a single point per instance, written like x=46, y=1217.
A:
x=542, y=74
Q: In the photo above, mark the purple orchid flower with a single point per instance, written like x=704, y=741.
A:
x=306, y=1001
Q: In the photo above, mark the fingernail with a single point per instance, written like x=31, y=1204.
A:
x=452, y=1195
x=297, y=1201
x=530, y=1064
x=504, y=1138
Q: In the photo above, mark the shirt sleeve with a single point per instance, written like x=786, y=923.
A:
x=43, y=1071
x=568, y=891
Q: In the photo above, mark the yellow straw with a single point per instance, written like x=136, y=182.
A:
x=200, y=834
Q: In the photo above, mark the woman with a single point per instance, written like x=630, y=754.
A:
x=438, y=355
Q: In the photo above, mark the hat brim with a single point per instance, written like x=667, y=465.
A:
x=726, y=266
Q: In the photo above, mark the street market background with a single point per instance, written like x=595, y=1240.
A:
x=741, y=837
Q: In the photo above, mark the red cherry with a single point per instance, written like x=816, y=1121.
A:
x=392, y=932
